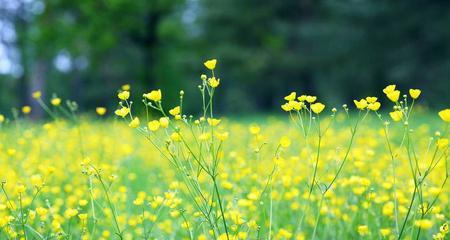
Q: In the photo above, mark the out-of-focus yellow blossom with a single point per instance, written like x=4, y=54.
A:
x=126, y=87
x=210, y=64
x=445, y=115
x=153, y=125
x=164, y=122
x=285, y=142
x=363, y=230
x=100, y=111
x=56, y=101
x=414, y=93
x=26, y=109
x=2, y=118
x=213, y=121
x=423, y=223
x=36, y=94
x=317, y=107
x=442, y=142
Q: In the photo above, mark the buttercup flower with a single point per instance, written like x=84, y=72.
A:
x=210, y=64
x=317, y=107
x=175, y=111
x=445, y=115
x=153, y=125
x=414, y=93
x=396, y=115
x=361, y=104
x=213, y=122
x=36, y=94
x=124, y=95
x=389, y=89
x=134, y=123
x=26, y=109
x=154, y=95
x=290, y=97
x=374, y=106
x=124, y=111
x=100, y=111
x=213, y=82
x=55, y=101
x=394, y=95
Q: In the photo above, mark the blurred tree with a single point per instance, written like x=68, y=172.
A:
x=338, y=50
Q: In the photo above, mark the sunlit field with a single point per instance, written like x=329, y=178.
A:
x=357, y=171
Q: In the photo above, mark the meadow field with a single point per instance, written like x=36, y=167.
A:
x=357, y=171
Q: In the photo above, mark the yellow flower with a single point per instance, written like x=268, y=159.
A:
x=134, y=123
x=285, y=142
x=296, y=105
x=210, y=64
x=175, y=137
x=385, y=232
x=286, y=107
x=394, y=95
x=442, y=142
x=423, y=223
x=82, y=216
x=55, y=101
x=20, y=188
x=154, y=95
x=164, y=122
x=414, y=93
x=213, y=82
x=311, y=99
x=26, y=109
x=69, y=213
x=222, y=136
x=363, y=230
x=153, y=125
x=175, y=111
x=389, y=89
x=317, y=107
x=254, y=129
x=2, y=118
x=37, y=94
x=445, y=115
x=124, y=95
x=126, y=87
x=100, y=111
x=374, y=106
x=396, y=115
x=371, y=99
x=213, y=122
x=291, y=96
x=361, y=104
x=302, y=98
x=123, y=112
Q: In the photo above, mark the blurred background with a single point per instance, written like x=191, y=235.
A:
x=339, y=50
